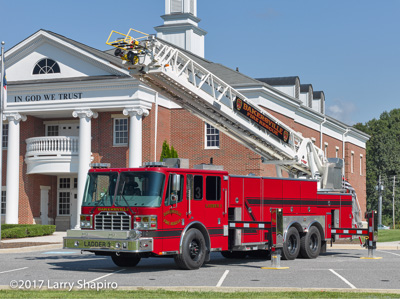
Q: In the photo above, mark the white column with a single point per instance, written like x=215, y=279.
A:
x=85, y=151
x=13, y=165
x=135, y=134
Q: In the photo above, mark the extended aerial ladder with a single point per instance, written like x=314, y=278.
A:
x=184, y=81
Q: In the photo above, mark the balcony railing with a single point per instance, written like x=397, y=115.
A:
x=52, y=146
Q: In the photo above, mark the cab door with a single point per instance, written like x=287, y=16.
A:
x=174, y=212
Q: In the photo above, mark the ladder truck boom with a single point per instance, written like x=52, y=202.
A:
x=184, y=81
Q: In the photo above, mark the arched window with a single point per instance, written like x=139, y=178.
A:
x=46, y=66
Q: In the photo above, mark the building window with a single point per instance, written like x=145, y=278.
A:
x=64, y=203
x=5, y=136
x=120, y=131
x=337, y=152
x=46, y=66
x=3, y=202
x=52, y=130
x=212, y=137
x=65, y=183
x=361, y=164
x=326, y=149
x=352, y=162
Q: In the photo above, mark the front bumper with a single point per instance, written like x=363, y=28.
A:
x=107, y=240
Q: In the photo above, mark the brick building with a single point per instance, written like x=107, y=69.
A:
x=69, y=105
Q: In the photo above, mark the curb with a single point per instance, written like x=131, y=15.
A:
x=238, y=289
x=356, y=246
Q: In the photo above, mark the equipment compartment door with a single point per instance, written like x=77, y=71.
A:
x=252, y=209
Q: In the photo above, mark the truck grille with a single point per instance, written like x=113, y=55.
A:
x=112, y=221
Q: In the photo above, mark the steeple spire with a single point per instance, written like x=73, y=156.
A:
x=181, y=26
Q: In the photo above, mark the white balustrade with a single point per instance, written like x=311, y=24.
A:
x=52, y=146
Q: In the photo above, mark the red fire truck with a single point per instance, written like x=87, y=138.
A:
x=185, y=213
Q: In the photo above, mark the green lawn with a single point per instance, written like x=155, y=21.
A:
x=186, y=294
x=388, y=235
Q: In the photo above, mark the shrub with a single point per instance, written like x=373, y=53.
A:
x=26, y=230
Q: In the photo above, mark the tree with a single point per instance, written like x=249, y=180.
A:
x=383, y=158
x=174, y=153
x=168, y=152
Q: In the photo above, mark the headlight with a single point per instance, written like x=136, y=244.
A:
x=86, y=221
x=145, y=222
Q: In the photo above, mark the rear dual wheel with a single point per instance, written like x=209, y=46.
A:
x=291, y=246
x=310, y=243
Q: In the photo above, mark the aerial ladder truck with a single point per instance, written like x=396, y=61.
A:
x=171, y=221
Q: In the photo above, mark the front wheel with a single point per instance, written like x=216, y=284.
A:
x=126, y=259
x=291, y=246
x=310, y=244
x=193, y=250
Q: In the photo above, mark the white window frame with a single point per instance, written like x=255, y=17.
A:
x=114, y=131
x=361, y=164
x=313, y=140
x=3, y=189
x=206, y=135
x=337, y=152
x=71, y=190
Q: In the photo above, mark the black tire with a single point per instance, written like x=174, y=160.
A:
x=126, y=259
x=234, y=254
x=193, y=251
x=291, y=246
x=310, y=244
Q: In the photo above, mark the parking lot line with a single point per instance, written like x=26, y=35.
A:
x=221, y=280
x=388, y=252
x=14, y=270
x=107, y=275
x=344, y=279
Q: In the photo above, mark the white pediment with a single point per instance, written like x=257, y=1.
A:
x=74, y=61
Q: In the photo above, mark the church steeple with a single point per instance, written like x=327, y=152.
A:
x=181, y=26
x=181, y=6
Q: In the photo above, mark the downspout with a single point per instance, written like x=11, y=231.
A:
x=320, y=133
x=155, y=126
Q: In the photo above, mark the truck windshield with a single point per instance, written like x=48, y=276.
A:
x=100, y=189
x=140, y=189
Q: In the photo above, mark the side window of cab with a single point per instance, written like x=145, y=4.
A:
x=194, y=187
x=213, y=188
x=174, y=192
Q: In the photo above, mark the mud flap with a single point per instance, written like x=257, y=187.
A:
x=208, y=256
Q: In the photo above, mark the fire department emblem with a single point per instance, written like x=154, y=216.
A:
x=285, y=136
x=239, y=104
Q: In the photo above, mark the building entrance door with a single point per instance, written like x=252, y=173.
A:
x=67, y=201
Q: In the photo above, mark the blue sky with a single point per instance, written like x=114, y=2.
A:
x=348, y=49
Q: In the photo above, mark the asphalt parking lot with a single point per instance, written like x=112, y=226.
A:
x=337, y=269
